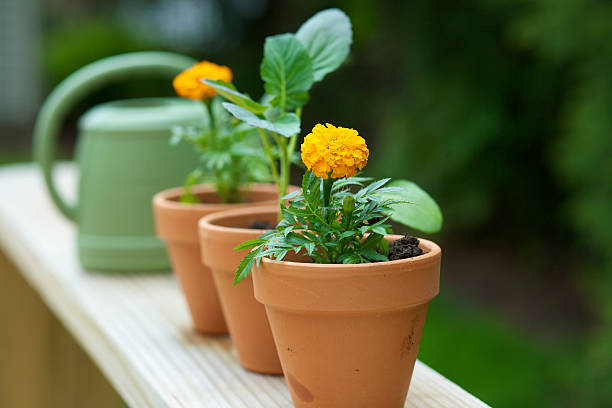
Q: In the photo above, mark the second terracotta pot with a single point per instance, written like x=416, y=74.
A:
x=176, y=223
x=348, y=335
x=248, y=325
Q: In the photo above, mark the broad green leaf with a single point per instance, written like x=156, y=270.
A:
x=327, y=36
x=287, y=125
x=287, y=71
x=229, y=92
x=418, y=210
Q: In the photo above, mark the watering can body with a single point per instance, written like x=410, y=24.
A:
x=124, y=158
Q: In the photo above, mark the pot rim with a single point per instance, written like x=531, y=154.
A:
x=208, y=222
x=348, y=288
x=323, y=270
x=167, y=199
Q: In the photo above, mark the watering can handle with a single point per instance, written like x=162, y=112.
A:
x=77, y=85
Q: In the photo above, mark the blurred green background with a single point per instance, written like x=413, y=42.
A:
x=501, y=109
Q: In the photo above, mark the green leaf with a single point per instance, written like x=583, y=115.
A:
x=291, y=195
x=287, y=125
x=418, y=210
x=383, y=247
x=287, y=71
x=327, y=36
x=245, y=266
x=229, y=92
x=297, y=239
x=373, y=255
x=350, y=259
x=379, y=230
x=250, y=244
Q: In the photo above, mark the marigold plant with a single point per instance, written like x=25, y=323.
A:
x=330, y=222
x=230, y=151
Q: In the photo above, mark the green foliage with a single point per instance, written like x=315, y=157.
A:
x=229, y=92
x=286, y=125
x=286, y=70
x=327, y=36
x=331, y=224
x=230, y=154
x=291, y=64
x=423, y=214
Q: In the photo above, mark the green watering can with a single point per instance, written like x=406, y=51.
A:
x=124, y=158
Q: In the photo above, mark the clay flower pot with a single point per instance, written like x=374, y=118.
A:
x=348, y=335
x=176, y=223
x=246, y=318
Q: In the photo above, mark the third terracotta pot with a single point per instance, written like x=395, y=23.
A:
x=176, y=223
x=246, y=318
x=348, y=335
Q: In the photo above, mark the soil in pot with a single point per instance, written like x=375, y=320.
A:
x=348, y=335
x=176, y=223
x=405, y=247
x=246, y=318
x=262, y=225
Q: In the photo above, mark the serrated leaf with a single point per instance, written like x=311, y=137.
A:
x=287, y=125
x=383, y=247
x=373, y=255
x=245, y=266
x=250, y=244
x=291, y=195
x=310, y=247
x=351, y=259
x=371, y=241
x=229, y=92
x=327, y=36
x=418, y=210
x=379, y=230
x=297, y=239
x=347, y=234
x=287, y=71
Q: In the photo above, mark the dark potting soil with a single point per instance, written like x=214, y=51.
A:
x=405, y=247
x=262, y=225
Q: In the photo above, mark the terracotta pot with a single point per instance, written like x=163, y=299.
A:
x=176, y=223
x=246, y=318
x=348, y=335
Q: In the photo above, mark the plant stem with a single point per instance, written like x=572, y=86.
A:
x=272, y=162
x=284, y=168
x=327, y=188
x=211, y=119
x=282, y=188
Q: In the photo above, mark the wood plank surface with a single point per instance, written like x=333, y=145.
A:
x=41, y=364
x=136, y=328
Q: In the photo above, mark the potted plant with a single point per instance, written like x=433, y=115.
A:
x=231, y=164
x=346, y=299
x=291, y=64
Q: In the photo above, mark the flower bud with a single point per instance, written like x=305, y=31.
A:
x=348, y=204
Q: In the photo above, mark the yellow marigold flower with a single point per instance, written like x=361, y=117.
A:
x=336, y=150
x=188, y=83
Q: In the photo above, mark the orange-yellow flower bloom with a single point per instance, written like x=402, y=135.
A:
x=188, y=83
x=336, y=150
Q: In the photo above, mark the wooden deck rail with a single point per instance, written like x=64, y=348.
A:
x=136, y=328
